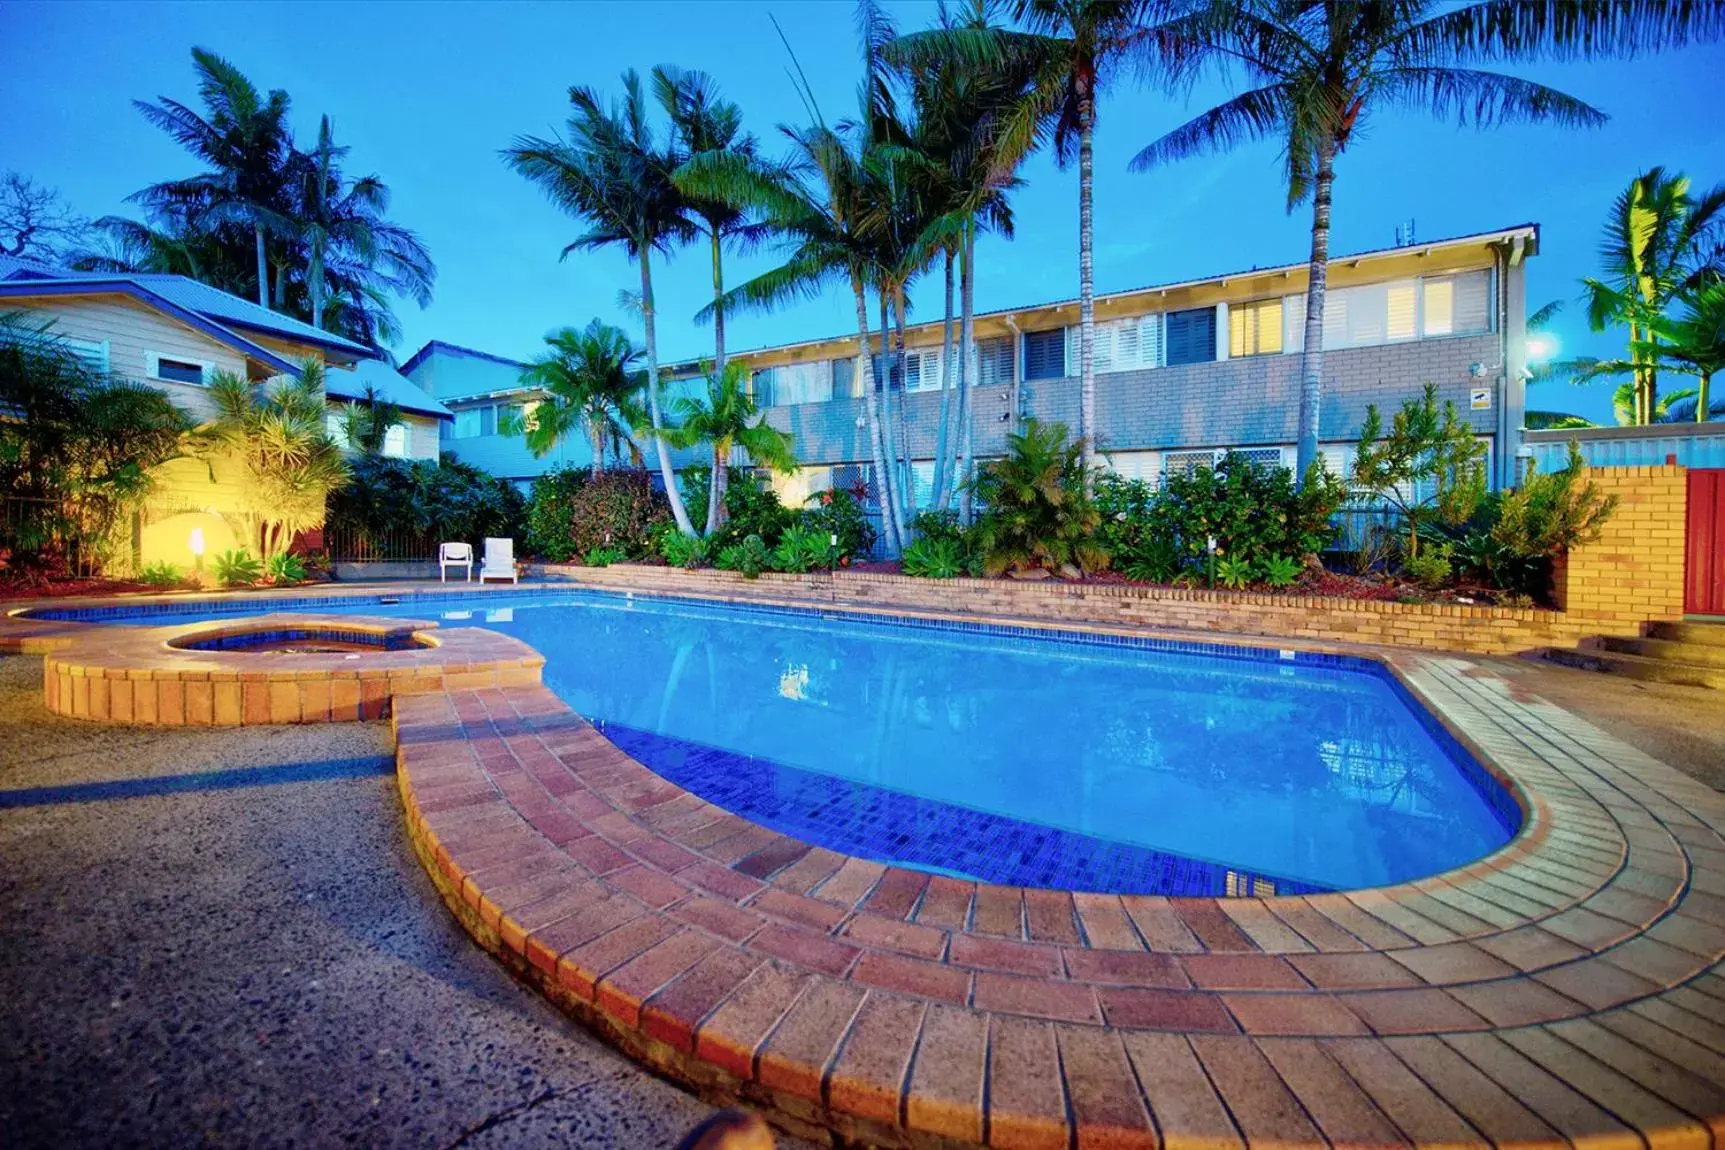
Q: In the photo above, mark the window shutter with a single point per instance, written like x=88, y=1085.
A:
x=1293, y=323
x=1045, y=354
x=761, y=386
x=1150, y=341
x=1400, y=310
x=994, y=362
x=1192, y=336
x=1473, y=302
x=93, y=353
x=1128, y=353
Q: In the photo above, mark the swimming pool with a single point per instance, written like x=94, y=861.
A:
x=1089, y=763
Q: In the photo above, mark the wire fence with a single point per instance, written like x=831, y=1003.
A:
x=345, y=544
x=1363, y=528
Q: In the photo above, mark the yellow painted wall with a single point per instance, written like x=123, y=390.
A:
x=169, y=540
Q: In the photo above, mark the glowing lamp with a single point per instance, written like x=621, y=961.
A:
x=195, y=541
x=1542, y=346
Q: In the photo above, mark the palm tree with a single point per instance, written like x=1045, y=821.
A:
x=1317, y=70
x=728, y=418
x=1068, y=54
x=614, y=173
x=365, y=425
x=275, y=437
x=243, y=136
x=1696, y=342
x=349, y=240
x=590, y=382
x=1656, y=248
x=708, y=126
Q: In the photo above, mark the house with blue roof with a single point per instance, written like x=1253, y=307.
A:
x=174, y=334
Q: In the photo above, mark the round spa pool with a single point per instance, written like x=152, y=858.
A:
x=1083, y=762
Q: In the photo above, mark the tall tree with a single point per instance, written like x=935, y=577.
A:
x=614, y=172
x=1315, y=71
x=1659, y=244
x=353, y=253
x=36, y=222
x=591, y=383
x=243, y=136
x=706, y=127
x=1068, y=53
x=725, y=419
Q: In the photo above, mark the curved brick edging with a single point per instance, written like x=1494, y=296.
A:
x=139, y=675
x=1567, y=988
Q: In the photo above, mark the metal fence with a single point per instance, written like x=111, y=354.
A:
x=1358, y=528
x=45, y=534
x=349, y=545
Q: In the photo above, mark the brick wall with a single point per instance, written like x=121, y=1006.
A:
x=1633, y=574
x=1635, y=571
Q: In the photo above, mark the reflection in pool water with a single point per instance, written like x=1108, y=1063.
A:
x=1018, y=760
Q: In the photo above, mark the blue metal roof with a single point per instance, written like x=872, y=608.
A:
x=437, y=345
x=391, y=387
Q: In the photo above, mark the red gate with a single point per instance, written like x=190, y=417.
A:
x=1704, y=561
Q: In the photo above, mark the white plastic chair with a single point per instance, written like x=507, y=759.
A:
x=454, y=555
x=499, y=561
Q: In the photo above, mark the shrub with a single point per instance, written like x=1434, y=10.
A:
x=236, y=567
x=1430, y=567
x=679, y=550
x=1234, y=571
x=749, y=558
x=840, y=512
x=1038, y=514
x=443, y=501
x=1279, y=571
x=801, y=548
x=616, y=509
x=550, y=508
x=604, y=556
x=934, y=558
x=162, y=575
x=285, y=568
x=753, y=508
x=1431, y=465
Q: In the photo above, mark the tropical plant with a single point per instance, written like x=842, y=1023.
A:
x=1279, y=570
x=934, y=558
x=237, y=567
x=1039, y=511
x=680, y=550
x=161, y=575
x=273, y=436
x=549, y=511
x=572, y=514
x=748, y=558
x=437, y=501
x=590, y=382
x=285, y=567
x=727, y=419
x=354, y=257
x=1317, y=71
x=1235, y=571
x=76, y=445
x=1239, y=508
x=838, y=514
x=1695, y=343
x=802, y=548
x=614, y=172
x=244, y=138
x=1066, y=56
x=1550, y=514
x=365, y=425
x=604, y=556
x=1659, y=244
x=1431, y=567
x=1430, y=467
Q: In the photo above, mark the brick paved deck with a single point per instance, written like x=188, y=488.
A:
x=1566, y=989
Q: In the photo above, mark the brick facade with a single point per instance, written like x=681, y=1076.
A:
x=1635, y=572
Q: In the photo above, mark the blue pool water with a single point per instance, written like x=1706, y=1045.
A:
x=1127, y=766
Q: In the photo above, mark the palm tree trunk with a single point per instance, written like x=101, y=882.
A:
x=597, y=431
x=941, y=471
x=890, y=480
x=907, y=491
x=281, y=286
x=966, y=380
x=721, y=471
x=715, y=496
x=263, y=267
x=1703, y=405
x=314, y=282
x=672, y=495
x=871, y=405
x=1312, y=355
x=1086, y=288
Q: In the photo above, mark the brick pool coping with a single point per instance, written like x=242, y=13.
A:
x=1566, y=988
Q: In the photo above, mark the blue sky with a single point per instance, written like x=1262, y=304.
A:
x=426, y=95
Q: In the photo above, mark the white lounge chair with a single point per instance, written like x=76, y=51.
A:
x=499, y=561
x=454, y=555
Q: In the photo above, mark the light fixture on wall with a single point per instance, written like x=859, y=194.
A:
x=195, y=541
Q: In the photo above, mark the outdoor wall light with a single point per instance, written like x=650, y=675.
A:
x=195, y=541
x=1540, y=347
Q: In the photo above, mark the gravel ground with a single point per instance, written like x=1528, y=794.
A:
x=230, y=942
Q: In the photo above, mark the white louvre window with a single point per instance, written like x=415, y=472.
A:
x=922, y=369
x=1338, y=458
x=1144, y=465
x=1294, y=323
x=922, y=481
x=1121, y=344
x=800, y=383
x=397, y=441
x=92, y=353
x=1457, y=304
x=1369, y=314
x=466, y=423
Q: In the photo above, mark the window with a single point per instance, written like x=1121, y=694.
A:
x=922, y=482
x=921, y=369
x=488, y=420
x=468, y=422
x=1255, y=328
x=994, y=362
x=1122, y=344
x=761, y=386
x=93, y=353
x=335, y=426
x=845, y=378
x=1191, y=336
x=1186, y=462
x=1045, y=354
x=796, y=383
x=396, y=441
x=1136, y=464
x=174, y=370
x=1370, y=313
x=1457, y=304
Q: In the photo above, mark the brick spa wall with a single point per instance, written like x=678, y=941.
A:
x=1633, y=574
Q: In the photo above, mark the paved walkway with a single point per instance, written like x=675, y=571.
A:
x=222, y=936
